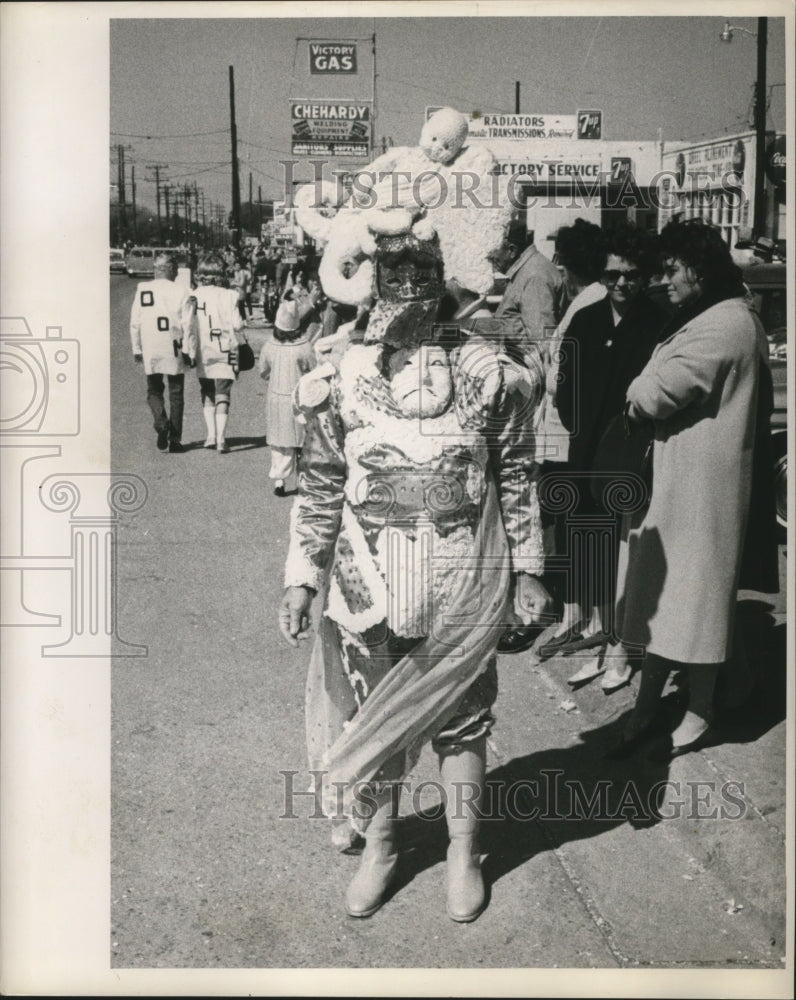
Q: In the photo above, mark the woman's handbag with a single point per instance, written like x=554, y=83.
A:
x=245, y=357
x=625, y=448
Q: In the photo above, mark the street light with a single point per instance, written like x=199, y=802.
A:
x=759, y=223
x=726, y=35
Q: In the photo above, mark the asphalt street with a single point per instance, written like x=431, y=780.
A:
x=681, y=865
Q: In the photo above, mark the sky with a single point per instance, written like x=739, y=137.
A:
x=652, y=77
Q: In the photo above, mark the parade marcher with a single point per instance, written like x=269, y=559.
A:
x=417, y=500
x=218, y=322
x=285, y=356
x=164, y=343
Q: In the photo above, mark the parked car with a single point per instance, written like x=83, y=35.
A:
x=141, y=262
x=117, y=262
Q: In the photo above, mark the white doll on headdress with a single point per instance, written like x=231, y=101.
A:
x=441, y=186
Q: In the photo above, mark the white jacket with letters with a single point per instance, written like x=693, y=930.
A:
x=160, y=327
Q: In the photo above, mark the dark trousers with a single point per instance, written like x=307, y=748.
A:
x=154, y=397
x=583, y=569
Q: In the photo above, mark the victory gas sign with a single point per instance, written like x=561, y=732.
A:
x=333, y=57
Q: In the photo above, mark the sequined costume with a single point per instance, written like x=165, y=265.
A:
x=412, y=527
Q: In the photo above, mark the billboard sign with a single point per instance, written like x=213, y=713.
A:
x=716, y=163
x=330, y=128
x=333, y=58
x=517, y=126
x=528, y=126
x=558, y=171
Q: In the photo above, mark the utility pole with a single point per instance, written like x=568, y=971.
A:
x=121, y=190
x=235, y=177
x=760, y=213
x=373, y=95
x=251, y=199
x=166, y=192
x=157, y=200
x=187, y=196
x=516, y=97
x=135, y=222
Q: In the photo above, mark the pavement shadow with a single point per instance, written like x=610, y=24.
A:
x=535, y=803
x=550, y=797
x=246, y=443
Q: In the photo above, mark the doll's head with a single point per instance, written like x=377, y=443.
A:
x=443, y=135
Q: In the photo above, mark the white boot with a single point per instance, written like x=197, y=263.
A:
x=209, y=413
x=367, y=889
x=222, y=413
x=462, y=774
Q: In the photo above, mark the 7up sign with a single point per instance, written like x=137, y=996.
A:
x=590, y=124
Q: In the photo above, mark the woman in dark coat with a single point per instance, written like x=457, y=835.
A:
x=607, y=344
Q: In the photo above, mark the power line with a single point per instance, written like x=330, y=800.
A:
x=173, y=135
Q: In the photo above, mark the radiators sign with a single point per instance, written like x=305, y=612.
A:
x=325, y=128
x=333, y=57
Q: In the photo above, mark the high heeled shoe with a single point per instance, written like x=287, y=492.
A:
x=562, y=643
x=667, y=753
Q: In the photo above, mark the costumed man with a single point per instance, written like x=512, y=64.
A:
x=417, y=502
x=164, y=342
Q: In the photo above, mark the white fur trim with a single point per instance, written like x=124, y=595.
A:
x=424, y=230
x=388, y=221
x=309, y=208
x=352, y=291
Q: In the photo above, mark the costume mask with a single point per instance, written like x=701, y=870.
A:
x=421, y=381
x=408, y=270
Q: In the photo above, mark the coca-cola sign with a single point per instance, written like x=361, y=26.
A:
x=775, y=161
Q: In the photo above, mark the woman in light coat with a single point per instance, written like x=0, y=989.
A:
x=680, y=561
x=218, y=324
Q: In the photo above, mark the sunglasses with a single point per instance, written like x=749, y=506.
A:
x=611, y=277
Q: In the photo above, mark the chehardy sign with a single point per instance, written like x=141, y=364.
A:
x=330, y=128
x=333, y=57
